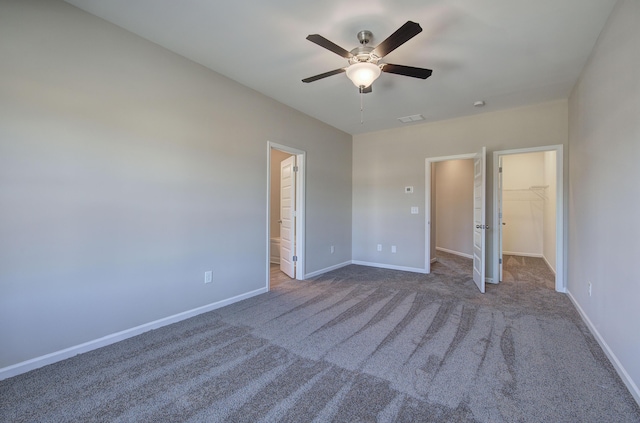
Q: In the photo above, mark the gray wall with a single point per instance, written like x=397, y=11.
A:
x=454, y=206
x=127, y=171
x=386, y=161
x=604, y=150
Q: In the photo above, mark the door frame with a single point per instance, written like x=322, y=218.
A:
x=427, y=201
x=300, y=211
x=560, y=222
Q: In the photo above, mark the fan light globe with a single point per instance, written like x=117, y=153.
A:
x=363, y=74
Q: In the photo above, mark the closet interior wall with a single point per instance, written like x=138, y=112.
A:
x=528, y=196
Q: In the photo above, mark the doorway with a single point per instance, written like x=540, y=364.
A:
x=477, y=217
x=452, y=204
x=528, y=204
x=285, y=214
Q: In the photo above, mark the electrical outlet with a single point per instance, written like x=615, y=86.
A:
x=333, y=250
x=589, y=283
x=393, y=248
x=208, y=276
x=379, y=247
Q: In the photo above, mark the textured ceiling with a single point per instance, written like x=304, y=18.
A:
x=508, y=53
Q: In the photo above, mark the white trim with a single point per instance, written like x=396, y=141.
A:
x=489, y=280
x=301, y=156
x=549, y=264
x=561, y=275
x=457, y=253
x=327, y=269
x=389, y=266
x=511, y=253
x=54, y=357
x=631, y=386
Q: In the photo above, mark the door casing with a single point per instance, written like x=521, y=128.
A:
x=300, y=211
x=427, y=208
x=561, y=275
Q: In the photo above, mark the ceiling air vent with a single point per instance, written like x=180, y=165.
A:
x=412, y=118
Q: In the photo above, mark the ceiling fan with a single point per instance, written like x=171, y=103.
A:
x=364, y=61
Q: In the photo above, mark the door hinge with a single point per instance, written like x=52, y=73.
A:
x=500, y=215
x=500, y=169
x=295, y=258
x=295, y=168
x=500, y=261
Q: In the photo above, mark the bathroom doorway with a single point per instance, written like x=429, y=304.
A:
x=285, y=214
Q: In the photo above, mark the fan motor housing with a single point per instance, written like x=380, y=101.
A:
x=363, y=54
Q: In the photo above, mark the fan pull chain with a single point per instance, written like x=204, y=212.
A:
x=361, y=107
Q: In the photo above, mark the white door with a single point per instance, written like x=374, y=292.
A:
x=479, y=218
x=500, y=222
x=287, y=216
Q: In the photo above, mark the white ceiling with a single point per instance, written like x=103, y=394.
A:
x=508, y=53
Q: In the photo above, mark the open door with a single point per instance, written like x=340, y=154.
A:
x=479, y=217
x=500, y=222
x=287, y=216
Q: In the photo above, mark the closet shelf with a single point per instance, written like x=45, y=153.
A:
x=538, y=190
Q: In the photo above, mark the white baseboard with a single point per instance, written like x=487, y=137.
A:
x=390, y=266
x=489, y=280
x=513, y=253
x=631, y=386
x=326, y=269
x=54, y=357
x=457, y=253
x=549, y=265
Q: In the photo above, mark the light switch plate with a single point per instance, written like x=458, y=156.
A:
x=414, y=210
x=408, y=190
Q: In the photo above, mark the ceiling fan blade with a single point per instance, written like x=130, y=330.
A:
x=421, y=73
x=323, y=42
x=402, y=35
x=324, y=75
x=365, y=90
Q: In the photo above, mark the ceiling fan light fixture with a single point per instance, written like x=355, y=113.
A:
x=363, y=74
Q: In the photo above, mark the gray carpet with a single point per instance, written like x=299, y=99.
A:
x=355, y=345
